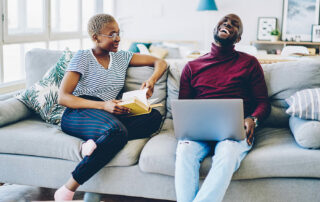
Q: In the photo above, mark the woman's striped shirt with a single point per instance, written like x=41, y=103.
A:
x=97, y=81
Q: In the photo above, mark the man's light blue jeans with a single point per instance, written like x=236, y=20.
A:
x=226, y=160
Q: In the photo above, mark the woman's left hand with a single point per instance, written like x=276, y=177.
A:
x=150, y=85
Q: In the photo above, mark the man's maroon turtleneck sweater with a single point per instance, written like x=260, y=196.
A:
x=226, y=73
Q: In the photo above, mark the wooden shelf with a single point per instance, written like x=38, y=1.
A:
x=286, y=43
x=314, y=47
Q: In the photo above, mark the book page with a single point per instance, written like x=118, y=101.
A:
x=139, y=94
x=151, y=101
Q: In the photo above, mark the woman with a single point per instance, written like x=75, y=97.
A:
x=89, y=89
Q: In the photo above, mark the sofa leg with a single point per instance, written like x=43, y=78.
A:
x=92, y=197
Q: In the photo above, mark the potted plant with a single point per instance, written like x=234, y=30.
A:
x=275, y=35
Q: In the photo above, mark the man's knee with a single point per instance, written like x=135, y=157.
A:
x=227, y=147
x=187, y=150
x=227, y=151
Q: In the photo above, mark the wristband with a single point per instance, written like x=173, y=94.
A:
x=255, y=120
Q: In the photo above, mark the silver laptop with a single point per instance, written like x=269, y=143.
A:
x=208, y=119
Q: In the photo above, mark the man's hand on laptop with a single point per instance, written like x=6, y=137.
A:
x=249, y=126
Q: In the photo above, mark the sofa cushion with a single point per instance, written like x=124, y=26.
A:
x=38, y=61
x=305, y=104
x=283, y=79
x=277, y=118
x=37, y=138
x=42, y=97
x=137, y=75
x=274, y=154
x=305, y=132
x=158, y=155
x=12, y=110
x=173, y=82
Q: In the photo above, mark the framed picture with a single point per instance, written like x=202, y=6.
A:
x=298, y=17
x=315, y=33
x=265, y=26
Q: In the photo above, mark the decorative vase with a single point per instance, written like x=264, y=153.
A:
x=274, y=38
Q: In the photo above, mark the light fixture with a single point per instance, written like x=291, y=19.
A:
x=207, y=5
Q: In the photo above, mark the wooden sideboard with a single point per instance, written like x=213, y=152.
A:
x=285, y=43
x=270, y=58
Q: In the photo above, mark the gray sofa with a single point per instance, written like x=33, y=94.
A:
x=33, y=152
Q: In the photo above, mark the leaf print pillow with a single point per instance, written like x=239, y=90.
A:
x=42, y=97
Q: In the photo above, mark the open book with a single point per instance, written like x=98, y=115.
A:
x=138, y=103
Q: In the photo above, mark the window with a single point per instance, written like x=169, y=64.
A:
x=51, y=24
x=64, y=16
x=72, y=44
x=13, y=59
x=24, y=20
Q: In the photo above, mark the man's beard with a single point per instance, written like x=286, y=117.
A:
x=224, y=42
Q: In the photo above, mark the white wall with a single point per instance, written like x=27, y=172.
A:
x=179, y=19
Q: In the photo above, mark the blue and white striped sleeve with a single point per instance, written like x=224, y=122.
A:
x=79, y=62
x=126, y=56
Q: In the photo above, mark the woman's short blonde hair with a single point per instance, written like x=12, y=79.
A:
x=97, y=22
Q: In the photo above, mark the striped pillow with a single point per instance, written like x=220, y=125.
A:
x=305, y=104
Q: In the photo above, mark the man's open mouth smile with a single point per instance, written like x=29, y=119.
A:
x=224, y=30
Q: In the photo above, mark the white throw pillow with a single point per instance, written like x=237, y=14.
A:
x=143, y=49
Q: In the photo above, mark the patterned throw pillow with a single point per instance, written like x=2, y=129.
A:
x=42, y=97
x=305, y=104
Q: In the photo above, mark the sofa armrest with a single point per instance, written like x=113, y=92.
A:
x=7, y=96
x=12, y=110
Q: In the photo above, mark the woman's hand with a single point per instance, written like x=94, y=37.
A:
x=249, y=126
x=112, y=107
x=150, y=85
x=159, y=65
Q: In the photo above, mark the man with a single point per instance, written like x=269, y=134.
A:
x=228, y=74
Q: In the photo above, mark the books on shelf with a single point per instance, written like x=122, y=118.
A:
x=138, y=103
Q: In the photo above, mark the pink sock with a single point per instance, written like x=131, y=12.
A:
x=88, y=147
x=63, y=194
